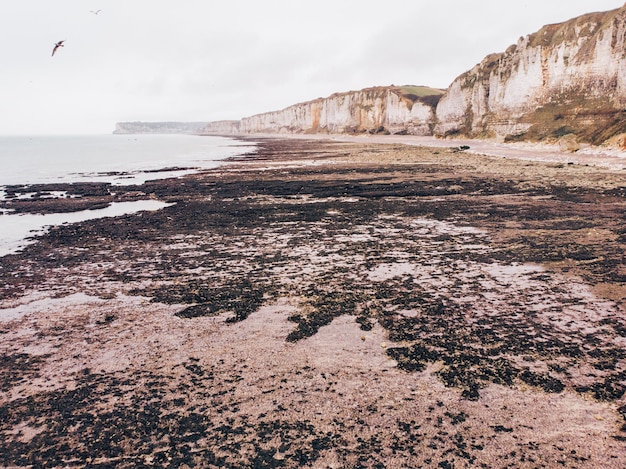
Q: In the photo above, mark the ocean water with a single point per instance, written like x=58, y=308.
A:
x=16, y=230
x=117, y=159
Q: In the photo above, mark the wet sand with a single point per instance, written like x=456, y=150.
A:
x=325, y=304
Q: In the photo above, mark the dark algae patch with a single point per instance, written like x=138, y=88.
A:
x=90, y=425
x=18, y=368
x=323, y=304
x=240, y=299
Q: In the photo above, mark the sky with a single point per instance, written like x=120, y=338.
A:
x=207, y=60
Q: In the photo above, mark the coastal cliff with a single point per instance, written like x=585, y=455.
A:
x=567, y=79
x=159, y=127
x=407, y=109
x=565, y=83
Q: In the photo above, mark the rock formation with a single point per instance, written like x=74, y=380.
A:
x=224, y=127
x=567, y=78
x=407, y=109
x=565, y=83
x=159, y=127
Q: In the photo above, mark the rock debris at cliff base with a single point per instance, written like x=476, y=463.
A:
x=324, y=304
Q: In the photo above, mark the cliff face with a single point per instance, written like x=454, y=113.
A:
x=376, y=110
x=567, y=78
x=225, y=127
x=566, y=83
x=159, y=127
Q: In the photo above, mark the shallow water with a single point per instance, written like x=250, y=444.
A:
x=15, y=230
x=115, y=159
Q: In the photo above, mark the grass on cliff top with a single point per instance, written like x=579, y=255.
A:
x=424, y=94
x=421, y=91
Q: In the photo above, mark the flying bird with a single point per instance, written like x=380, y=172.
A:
x=57, y=45
x=95, y=12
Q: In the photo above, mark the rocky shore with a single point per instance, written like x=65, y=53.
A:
x=324, y=304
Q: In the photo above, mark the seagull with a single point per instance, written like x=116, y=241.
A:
x=57, y=45
x=95, y=12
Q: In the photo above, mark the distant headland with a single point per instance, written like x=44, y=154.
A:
x=138, y=127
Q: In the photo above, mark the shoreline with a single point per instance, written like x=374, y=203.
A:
x=328, y=304
x=31, y=203
x=548, y=153
x=18, y=230
x=114, y=159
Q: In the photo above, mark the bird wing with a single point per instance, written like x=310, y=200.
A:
x=56, y=46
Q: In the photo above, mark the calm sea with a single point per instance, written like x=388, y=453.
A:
x=30, y=160
x=118, y=159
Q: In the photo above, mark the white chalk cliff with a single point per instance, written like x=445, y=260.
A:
x=138, y=127
x=567, y=80
x=375, y=110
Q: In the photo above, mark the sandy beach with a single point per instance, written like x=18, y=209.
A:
x=323, y=303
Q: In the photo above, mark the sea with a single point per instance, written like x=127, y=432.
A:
x=116, y=159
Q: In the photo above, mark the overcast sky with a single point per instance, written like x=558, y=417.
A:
x=205, y=60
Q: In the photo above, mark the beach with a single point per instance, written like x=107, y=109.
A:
x=325, y=303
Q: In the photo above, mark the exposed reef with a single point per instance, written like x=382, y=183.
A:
x=321, y=304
